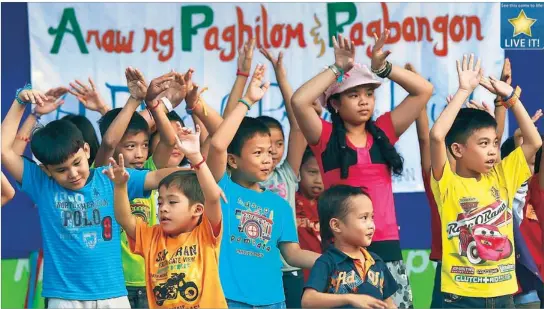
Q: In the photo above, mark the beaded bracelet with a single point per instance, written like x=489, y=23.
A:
x=26, y=87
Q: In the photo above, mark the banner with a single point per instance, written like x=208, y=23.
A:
x=100, y=40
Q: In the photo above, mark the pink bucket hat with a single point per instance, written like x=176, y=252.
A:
x=358, y=75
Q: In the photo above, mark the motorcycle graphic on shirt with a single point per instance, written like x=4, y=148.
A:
x=175, y=285
x=480, y=239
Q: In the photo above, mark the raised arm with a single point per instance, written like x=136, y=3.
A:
x=305, y=96
x=197, y=107
x=422, y=128
x=469, y=78
x=500, y=110
x=245, y=56
x=115, y=132
x=297, y=142
x=189, y=143
x=53, y=101
x=7, y=190
x=217, y=155
x=419, y=89
x=531, y=137
x=121, y=205
x=12, y=161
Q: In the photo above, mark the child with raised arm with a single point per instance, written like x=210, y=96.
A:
x=258, y=223
x=75, y=204
x=475, y=200
x=347, y=274
x=355, y=149
x=181, y=253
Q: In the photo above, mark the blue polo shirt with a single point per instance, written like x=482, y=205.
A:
x=335, y=272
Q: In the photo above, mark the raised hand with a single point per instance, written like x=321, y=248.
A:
x=33, y=96
x=188, y=142
x=506, y=74
x=378, y=55
x=245, y=56
x=469, y=74
x=158, y=85
x=88, y=96
x=277, y=63
x=344, y=53
x=136, y=83
x=117, y=172
x=256, y=89
x=481, y=106
x=179, y=87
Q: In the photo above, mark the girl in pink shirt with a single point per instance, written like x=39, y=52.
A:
x=356, y=150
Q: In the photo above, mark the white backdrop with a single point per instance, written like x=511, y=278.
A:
x=205, y=37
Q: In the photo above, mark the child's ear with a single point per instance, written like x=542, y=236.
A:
x=231, y=161
x=458, y=150
x=87, y=150
x=335, y=225
x=335, y=104
x=198, y=209
x=45, y=170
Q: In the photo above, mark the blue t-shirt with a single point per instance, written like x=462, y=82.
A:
x=81, y=239
x=255, y=223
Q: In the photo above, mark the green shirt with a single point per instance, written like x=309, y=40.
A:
x=145, y=208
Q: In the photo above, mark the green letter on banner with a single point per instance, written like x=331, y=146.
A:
x=68, y=16
x=187, y=29
x=332, y=10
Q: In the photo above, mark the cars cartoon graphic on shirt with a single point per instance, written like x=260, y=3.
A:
x=483, y=242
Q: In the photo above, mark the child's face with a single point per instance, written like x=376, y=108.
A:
x=278, y=146
x=356, y=105
x=255, y=161
x=134, y=147
x=176, y=157
x=73, y=173
x=176, y=216
x=479, y=153
x=357, y=228
x=310, y=179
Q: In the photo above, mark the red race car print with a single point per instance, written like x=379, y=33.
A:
x=483, y=242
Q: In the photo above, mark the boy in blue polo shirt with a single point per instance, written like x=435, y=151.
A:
x=81, y=239
x=347, y=275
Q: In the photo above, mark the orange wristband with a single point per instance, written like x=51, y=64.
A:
x=513, y=99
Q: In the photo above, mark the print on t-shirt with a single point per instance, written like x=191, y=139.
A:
x=344, y=282
x=256, y=223
x=170, y=281
x=480, y=240
x=80, y=217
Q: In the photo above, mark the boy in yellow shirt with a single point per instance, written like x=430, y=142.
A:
x=181, y=253
x=475, y=199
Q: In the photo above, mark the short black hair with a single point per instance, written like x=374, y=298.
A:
x=334, y=203
x=137, y=123
x=56, y=142
x=173, y=116
x=87, y=130
x=272, y=123
x=247, y=130
x=468, y=121
x=187, y=183
x=509, y=146
x=308, y=153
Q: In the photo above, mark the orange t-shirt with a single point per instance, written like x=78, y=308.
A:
x=183, y=271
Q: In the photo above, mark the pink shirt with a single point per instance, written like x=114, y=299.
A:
x=370, y=171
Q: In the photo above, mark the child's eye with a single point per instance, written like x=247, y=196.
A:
x=130, y=146
x=173, y=202
x=353, y=95
x=146, y=145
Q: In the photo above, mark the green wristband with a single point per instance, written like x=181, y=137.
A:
x=245, y=103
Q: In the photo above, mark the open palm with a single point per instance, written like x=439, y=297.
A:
x=469, y=73
x=188, y=142
x=117, y=172
x=136, y=83
x=344, y=53
x=88, y=96
x=256, y=89
x=378, y=54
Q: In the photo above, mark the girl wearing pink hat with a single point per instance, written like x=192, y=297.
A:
x=356, y=150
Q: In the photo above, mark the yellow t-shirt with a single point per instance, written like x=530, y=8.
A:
x=478, y=258
x=144, y=208
x=183, y=271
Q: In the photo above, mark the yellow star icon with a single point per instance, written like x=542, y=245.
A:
x=522, y=24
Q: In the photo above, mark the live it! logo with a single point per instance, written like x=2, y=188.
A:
x=522, y=25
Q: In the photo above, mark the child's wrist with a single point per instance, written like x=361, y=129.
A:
x=195, y=158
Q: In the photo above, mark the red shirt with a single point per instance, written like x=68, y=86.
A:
x=369, y=171
x=532, y=225
x=307, y=226
x=436, y=236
